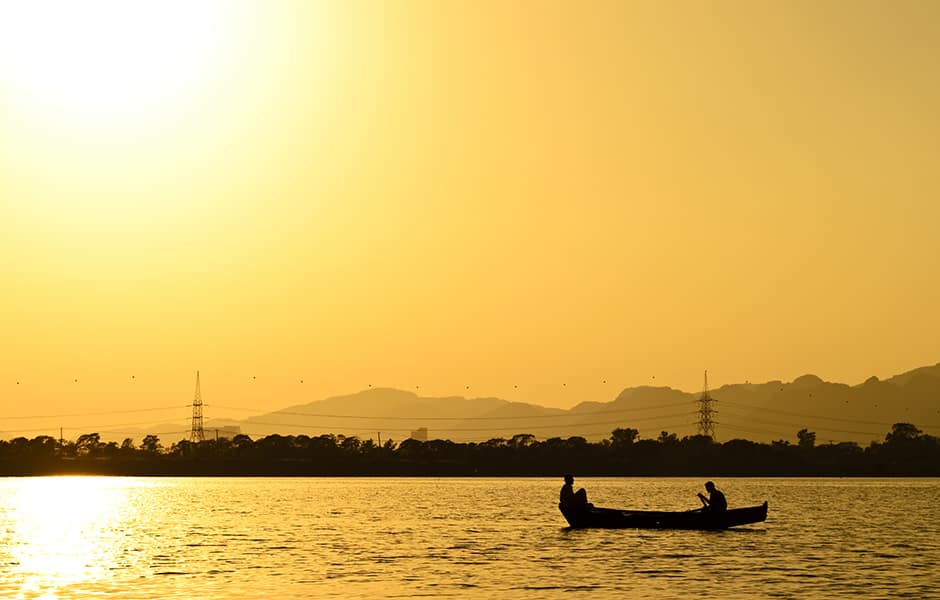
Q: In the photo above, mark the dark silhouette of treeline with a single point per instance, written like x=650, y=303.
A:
x=905, y=451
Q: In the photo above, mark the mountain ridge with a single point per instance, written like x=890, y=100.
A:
x=756, y=411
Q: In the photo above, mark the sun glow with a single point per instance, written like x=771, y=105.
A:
x=61, y=530
x=106, y=58
x=103, y=101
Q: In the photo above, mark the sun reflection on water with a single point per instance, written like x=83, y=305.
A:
x=61, y=531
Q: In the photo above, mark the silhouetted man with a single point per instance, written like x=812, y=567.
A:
x=571, y=499
x=716, y=500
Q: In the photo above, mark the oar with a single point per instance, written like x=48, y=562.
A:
x=704, y=501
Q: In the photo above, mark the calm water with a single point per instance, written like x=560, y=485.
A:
x=303, y=538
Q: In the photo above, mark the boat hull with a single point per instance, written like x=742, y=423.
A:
x=610, y=518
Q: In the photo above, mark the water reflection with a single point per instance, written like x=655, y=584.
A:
x=60, y=531
x=178, y=538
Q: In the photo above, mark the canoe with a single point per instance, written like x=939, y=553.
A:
x=611, y=518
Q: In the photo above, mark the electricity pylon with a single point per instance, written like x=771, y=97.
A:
x=706, y=424
x=197, y=434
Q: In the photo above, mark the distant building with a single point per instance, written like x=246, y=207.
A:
x=228, y=432
x=420, y=434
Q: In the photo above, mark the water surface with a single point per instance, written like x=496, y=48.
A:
x=72, y=537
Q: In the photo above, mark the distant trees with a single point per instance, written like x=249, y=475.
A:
x=43, y=446
x=87, y=444
x=806, y=439
x=667, y=438
x=150, y=444
x=624, y=436
x=906, y=450
x=902, y=433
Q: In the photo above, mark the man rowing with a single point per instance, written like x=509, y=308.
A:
x=716, y=500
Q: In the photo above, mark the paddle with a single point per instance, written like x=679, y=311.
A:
x=704, y=502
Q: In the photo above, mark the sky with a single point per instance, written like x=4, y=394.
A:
x=541, y=201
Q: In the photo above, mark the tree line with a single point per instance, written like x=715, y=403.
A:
x=905, y=450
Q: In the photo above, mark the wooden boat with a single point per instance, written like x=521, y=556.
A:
x=611, y=518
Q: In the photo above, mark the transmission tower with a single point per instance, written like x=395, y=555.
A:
x=197, y=434
x=706, y=424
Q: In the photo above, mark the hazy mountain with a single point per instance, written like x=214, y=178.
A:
x=756, y=411
x=834, y=411
x=394, y=413
x=167, y=432
x=763, y=411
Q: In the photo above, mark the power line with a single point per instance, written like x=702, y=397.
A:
x=568, y=426
x=567, y=415
x=368, y=432
x=97, y=414
x=816, y=426
x=536, y=427
x=826, y=429
x=804, y=415
x=157, y=433
x=751, y=429
x=104, y=427
x=95, y=429
x=559, y=426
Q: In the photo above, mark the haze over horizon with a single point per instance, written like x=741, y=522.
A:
x=541, y=203
x=760, y=411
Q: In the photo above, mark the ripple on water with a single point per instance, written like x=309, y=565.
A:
x=300, y=538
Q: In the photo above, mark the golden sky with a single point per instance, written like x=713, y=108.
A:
x=543, y=201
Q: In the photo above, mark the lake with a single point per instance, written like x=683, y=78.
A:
x=75, y=537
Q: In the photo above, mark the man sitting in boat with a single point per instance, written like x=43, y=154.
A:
x=571, y=499
x=716, y=500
